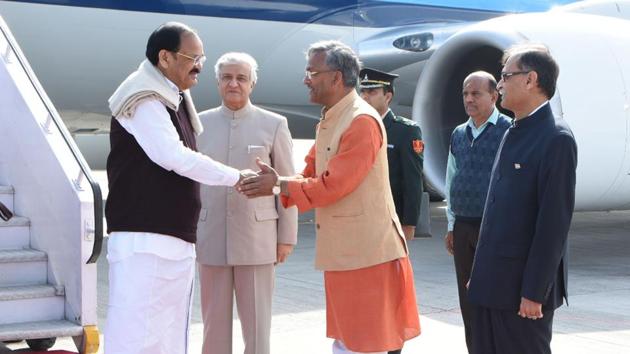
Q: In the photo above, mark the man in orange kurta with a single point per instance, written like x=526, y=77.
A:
x=370, y=295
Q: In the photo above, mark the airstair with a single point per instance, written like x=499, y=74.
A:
x=49, y=247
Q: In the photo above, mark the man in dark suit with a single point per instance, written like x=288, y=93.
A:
x=404, y=148
x=519, y=274
x=473, y=147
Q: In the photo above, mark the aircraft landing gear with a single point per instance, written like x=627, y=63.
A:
x=42, y=344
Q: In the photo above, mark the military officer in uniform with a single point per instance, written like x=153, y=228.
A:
x=404, y=148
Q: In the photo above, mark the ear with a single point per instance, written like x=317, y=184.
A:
x=495, y=95
x=164, y=58
x=337, y=78
x=532, y=79
x=388, y=97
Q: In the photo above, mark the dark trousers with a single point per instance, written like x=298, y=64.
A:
x=504, y=331
x=465, y=236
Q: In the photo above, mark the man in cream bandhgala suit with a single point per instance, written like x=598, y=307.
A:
x=240, y=240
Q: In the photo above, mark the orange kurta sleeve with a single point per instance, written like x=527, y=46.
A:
x=309, y=169
x=358, y=147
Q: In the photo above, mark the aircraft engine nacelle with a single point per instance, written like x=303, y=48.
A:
x=593, y=53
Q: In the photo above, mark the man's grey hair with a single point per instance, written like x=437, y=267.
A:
x=237, y=58
x=339, y=57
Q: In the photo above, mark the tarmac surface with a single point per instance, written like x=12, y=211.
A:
x=597, y=320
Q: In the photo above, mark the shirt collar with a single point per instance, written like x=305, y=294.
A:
x=388, y=118
x=243, y=112
x=537, y=108
x=174, y=87
x=171, y=84
x=339, y=106
x=538, y=115
x=494, y=117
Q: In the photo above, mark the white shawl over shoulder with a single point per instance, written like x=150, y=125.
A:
x=149, y=83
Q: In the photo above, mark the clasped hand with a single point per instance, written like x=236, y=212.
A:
x=530, y=309
x=257, y=184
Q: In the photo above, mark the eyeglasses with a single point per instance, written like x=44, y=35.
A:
x=197, y=60
x=505, y=76
x=311, y=74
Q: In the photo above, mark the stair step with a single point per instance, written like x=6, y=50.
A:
x=15, y=221
x=23, y=255
x=37, y=330
x=22, y=292
x=14, y=234
x=6, y=196
x=22, y=267
x=31, y=303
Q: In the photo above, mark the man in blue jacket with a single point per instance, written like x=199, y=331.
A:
x=474, y=145
x=519, y=274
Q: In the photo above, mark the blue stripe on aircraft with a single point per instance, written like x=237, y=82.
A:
x=491, y=5
x=361, y=13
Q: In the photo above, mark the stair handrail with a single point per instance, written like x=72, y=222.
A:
x=85, y=169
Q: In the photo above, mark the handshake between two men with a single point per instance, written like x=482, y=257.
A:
x=254, y=184
x=258, y=184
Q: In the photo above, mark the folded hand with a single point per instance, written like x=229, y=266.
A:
x=283, y=252
x=448, y=242
x=530, y=309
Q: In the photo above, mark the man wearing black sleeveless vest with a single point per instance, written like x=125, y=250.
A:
x=474, y=145
x=153, y=205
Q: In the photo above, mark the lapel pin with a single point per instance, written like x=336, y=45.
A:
x=517, y=166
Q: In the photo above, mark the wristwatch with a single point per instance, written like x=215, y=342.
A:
x=276, y=189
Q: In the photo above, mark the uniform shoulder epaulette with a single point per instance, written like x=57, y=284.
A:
x=405, y=121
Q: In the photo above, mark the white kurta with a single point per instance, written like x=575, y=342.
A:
x=151, y=275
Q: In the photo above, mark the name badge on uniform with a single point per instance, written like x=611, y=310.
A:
x=517, y=166
x=390, y=146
